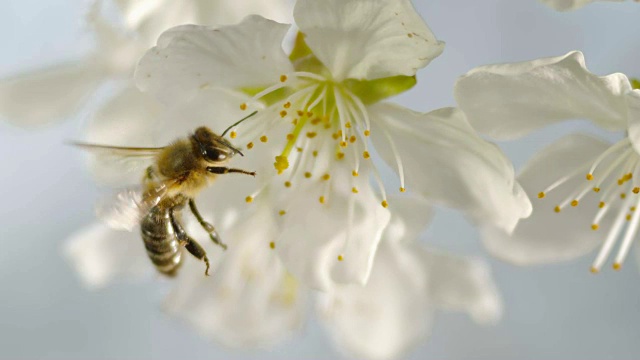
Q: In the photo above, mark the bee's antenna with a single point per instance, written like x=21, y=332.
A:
x=239, y=121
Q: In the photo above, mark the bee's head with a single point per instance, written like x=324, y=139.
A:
x=213, y=148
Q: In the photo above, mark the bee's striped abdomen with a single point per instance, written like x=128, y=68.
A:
x=160, y=241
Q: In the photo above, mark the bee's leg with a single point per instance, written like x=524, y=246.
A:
x=213, y=234
x=190, y=244
x=225, y=170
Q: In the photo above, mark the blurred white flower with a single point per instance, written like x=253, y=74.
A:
x=585, y=185
x=321, y=114
x=56, y=92
x=568, y=5
x=250, y=300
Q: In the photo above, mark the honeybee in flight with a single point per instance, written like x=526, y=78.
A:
x=176, y=174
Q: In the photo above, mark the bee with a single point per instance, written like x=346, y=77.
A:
x=176, y=174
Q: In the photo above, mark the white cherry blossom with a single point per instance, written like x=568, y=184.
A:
x=56, y=92
x=587, y=189
x=320, y=117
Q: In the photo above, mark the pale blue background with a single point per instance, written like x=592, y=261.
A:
x=559, y=312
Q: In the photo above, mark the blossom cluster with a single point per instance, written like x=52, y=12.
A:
x=320, y=224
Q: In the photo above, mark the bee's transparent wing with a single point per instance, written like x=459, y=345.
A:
x=125, y=209
x=118, y=161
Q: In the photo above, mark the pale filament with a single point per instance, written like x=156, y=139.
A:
x=361, y=107
x=619, y=177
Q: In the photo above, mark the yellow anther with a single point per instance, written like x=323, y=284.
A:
x=327, y=126
x=311, y=134
x=287, y=184
x=589, y=177
x=340, y=257
x=366, y=155
x=294, y=122
x=283, y=113
x=307, y=174
x=352, y=139
x=623, y=196
x=347, y=125
x=354, y=173
x=574, y=203
x=620, y=181
x=594, y=270
x=354, y=190
x=286, y=105
x=326, y=177
x=233, y=134
x=249, y=199
x=282, y=212
x=595, y=227
x=316, y=121
x=633, y=208
x=309, y=114
x=601, y=204
x=343, y=143
x=628, y=177
x=272, y=245
x=250, y=146
x=384, y=204
x=299, y=149
x=340, y=155
x=541, y=195
x=300, y=113
x=315, y=153
x=557, y=209
x=402, y=189
x=367, y=133
x=335, y=136
x=243, y=106
x=283, y=78
x=321, y=199
x=617, y=266
x=596, y=189
x=628, y=217
x=636, y=190
x=264, y=138
x=290, y=137
x=282, y=163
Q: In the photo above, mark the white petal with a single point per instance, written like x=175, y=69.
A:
x=566, y=5
x=128, y=119
x=314, y=235
x=410, y=217
x=447, y=162
x=101, y=255
x=389, y=315
x=191, y=58
x=363, y=39
x=461, y=284
x=509, y=100
x=547, y=236
x=249, y=299
x=48, y=95
x=633, y=103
